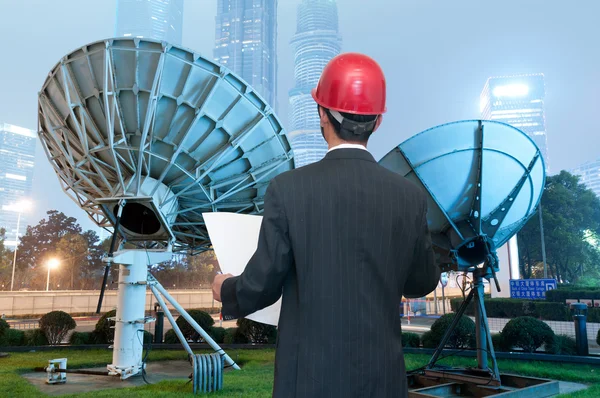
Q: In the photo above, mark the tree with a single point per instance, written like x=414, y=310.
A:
x=43, y=237
x=73, y=251
x=5, y=262
x=570, y=212
x=59, y=236
x=92, y=269
x=203, y=266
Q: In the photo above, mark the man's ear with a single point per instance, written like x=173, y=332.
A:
x=323, y=117
x=379, y=119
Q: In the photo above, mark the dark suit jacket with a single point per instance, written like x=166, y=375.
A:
x=343, y=239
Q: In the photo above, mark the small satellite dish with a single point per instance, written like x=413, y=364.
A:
x=484, y=180
x=174, y=133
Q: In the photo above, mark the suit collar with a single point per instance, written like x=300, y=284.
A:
x=350, y=153
x=346, y=146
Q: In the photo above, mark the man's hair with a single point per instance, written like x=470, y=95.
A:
x=346, y=136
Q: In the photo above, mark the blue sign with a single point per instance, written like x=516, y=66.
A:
x=531, y=289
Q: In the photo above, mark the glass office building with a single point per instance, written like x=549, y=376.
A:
x=150, y=19
x=246, y=43
x=589, y=174
x=316, y=42
x=518, y=101
x=17, y=159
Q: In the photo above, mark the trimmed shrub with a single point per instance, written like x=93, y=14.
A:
x=256, y=332
x=499, y=342
x=35, y=337
x=593, y=315
x=562, y=345
x=411, y=340
x=463, y=335
x=82, y=338
x=12, y=338
x=171, y=337
x=428, y=340
x=527, y=333
x=512, y=308
x=550, y=311
x=204, y=320
x=456, y=302
x=4, y=326
x=56, y=325
x=217, y=334
x=148, y=337
x=105, y=328
x=233, y=336
x=562, y=294
x=509, y=308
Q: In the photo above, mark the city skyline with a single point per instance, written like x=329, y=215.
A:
x=246, y=43
x=17, y=160
x=518, y=100
x=316, y=42
x=589, y=173
x=151, y=19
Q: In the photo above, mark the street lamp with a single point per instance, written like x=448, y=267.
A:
x=52, y=263
x=20, y=207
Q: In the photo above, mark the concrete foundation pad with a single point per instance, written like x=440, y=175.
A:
x=78, y=383
x=566, y=387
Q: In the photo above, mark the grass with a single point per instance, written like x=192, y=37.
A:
x=256, y=378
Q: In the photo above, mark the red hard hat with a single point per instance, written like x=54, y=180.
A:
x=352, y=83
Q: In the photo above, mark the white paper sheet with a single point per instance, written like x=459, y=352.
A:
x=234, y=238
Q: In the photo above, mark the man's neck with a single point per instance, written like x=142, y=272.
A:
x=337, y=143
x=348, y=145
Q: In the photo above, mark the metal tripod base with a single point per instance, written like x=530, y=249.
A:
x=130, y=317
x=483, y=375
x=483, y=381
x=158, y=290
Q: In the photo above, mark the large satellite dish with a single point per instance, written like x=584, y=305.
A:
x=145, y=137
x=484, y=180
x=174, y=133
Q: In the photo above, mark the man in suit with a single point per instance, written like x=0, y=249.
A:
x=343, y=239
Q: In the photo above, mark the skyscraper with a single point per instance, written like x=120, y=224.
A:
x=590, y=175
x=17, y=156
x=518, y=101
x=151, y=19
x=246, y=43
x=315, y=43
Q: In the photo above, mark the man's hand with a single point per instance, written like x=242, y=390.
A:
x=216, y=285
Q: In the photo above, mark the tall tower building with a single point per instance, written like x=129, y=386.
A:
x=17, y=156
x=150, y=19
x=518, y=101
x=246, y=43
x=315, y=43
x=590, y=175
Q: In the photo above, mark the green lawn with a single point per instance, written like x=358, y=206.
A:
x=256, y=378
